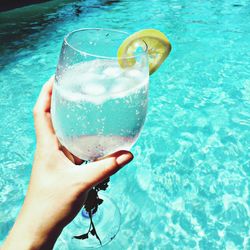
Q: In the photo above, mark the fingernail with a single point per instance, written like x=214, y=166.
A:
x=124, y=159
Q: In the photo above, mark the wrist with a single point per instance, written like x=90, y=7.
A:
x=31, y=234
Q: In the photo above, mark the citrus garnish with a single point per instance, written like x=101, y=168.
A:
x=155, y=42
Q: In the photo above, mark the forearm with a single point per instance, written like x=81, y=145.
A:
x=31, y=234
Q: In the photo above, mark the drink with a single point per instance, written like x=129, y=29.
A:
x=99, y=108
x=99, y=105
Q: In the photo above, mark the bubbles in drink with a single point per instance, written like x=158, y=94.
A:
x=99, y=108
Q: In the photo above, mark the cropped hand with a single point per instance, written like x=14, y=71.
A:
x=58, y=187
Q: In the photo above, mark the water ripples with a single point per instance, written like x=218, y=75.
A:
x=188, y=186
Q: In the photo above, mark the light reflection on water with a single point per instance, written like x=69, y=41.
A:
x=188, y=186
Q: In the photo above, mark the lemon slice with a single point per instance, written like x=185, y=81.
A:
x=155, y=42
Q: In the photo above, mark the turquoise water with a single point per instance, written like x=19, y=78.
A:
x=188, y=187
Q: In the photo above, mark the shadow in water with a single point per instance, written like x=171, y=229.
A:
x=9, y=5
x=21, y=28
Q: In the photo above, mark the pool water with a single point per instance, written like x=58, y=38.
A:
x=189, y=184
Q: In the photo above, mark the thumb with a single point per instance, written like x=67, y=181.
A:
x=93, y=173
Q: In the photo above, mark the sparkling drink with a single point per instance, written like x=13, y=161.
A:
x=98, y=107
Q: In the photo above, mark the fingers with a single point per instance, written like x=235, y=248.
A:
x=42, y=117
x=77, y=160
x=43, y=102
x=70, y=156
x=93, y=173
x=67, y=153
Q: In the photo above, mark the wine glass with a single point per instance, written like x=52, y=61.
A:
x=98, y=107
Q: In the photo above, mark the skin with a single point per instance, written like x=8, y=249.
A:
x=58, y=188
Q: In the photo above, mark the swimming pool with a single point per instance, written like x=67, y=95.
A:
x=188, y=186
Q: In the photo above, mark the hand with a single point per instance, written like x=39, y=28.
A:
x=57, y=188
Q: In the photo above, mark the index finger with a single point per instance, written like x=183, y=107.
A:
x=43, y=101
x=42, y=119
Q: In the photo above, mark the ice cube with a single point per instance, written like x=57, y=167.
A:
x=112, y=72
x=134, y=73
x=118, y=88
x=121, y=84
x=72, y=82
x=88, y=77
x=94, y=66
x=93, y=89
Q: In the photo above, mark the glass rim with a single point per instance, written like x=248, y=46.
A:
x=99, y=56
